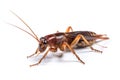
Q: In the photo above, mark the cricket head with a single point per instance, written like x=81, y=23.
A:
x=42, y=44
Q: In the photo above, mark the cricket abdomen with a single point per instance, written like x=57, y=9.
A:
x=88, y=35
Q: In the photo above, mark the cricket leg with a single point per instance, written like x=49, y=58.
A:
x=76, y=40
x=41, y=58
x=68, y=29
x=65, y=44
x=37, y=50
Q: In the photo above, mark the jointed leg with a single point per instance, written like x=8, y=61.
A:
x=75, y=41
x=37, y=50
x=41, y=58
x=68, y=29
x=65, y=44
x=78, y=37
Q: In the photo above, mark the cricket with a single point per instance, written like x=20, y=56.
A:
x=68, y=40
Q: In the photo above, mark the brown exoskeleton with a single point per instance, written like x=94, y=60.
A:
x=63, y=40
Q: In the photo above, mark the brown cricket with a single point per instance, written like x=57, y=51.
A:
x=63, y=40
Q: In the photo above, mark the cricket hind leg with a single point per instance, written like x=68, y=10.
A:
x=79, y=36
x=76, y=40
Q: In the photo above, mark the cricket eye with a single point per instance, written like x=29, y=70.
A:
x=43, y=40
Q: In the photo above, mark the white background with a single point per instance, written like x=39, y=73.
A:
x=47, y=17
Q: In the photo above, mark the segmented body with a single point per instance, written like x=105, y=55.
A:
x=56, y=39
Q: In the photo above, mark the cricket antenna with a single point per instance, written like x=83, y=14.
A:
x=33, y=34
x=24, y=31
